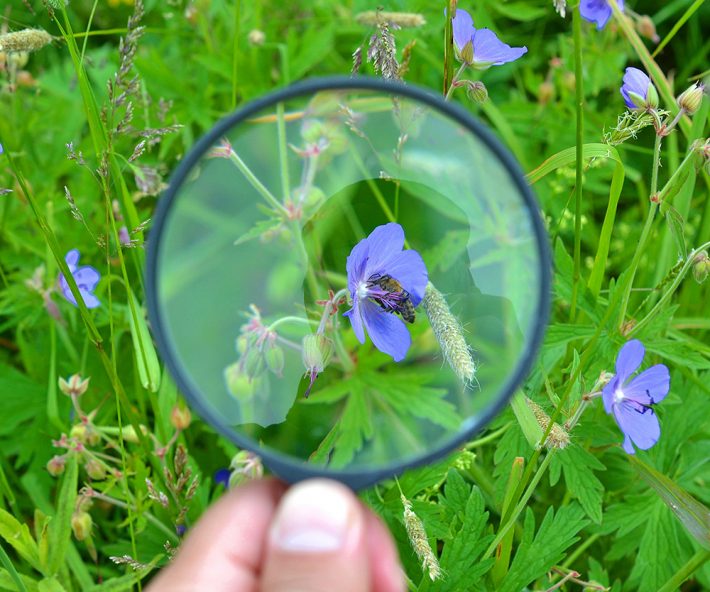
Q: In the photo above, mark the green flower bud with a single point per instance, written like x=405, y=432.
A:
x=79, y=433
x=317, y=351
x=180, y=417
x=312, y=130
x=253, y=362
x=476, y=91
x=275, y=359
x=75, y=386
x=691, y=98
x=95, y=469
x=238, y=382
x=56, y=464
x=701, y=267
x=466, y=53
x=81, y=525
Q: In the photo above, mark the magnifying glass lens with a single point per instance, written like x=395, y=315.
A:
x=348, y=276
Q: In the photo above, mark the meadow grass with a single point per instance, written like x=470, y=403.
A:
x=99, y=101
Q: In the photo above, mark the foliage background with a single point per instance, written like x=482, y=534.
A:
x=585, y=509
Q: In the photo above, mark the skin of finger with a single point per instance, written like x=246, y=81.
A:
x=385, y=568
x=345, y=570
x=225, y=550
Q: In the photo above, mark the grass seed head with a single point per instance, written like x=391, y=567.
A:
x=26, y=40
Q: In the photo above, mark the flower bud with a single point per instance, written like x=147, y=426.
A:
x=245, y=466
x=647, y=29
x=180, y=417
x=317, y=351
x=74, y=386
x=701, y=267
x=79, y=433
x=466, y=53
x=95, y=469
x=238, y=382
x=81, y=524
x=92, y=436
x=691, y=98
x=256, y=37
x=275, y=359
x=56, y=464
x=312, y=131
x=243, y=343
x=476, y=91
x=253, y=362
x=545, y=92
x=129, y=433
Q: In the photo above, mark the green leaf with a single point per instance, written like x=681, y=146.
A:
x=354, y=427
x=22, y=399
x=676, y=225
x=578, y=466
x=537, y=553
x=460, y=557
x=18, y=536
x=146, y=357
x=692, y=514
x=8, y=582
x=9, y=575
x=60, y=526
x=50, y=585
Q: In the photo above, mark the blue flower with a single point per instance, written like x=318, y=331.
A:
x=597, y=11
x=632, y=402
x=221, y=476
x=638, y=91
x=86, y=278
x=480, y=48
x=383, y=279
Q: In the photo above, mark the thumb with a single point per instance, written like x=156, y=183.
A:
x=317, y=541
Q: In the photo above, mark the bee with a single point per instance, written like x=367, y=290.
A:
x=396, y=300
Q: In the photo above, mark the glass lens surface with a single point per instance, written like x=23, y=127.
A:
x=352, y=278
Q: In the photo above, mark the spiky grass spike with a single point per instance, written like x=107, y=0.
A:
x=419, y=540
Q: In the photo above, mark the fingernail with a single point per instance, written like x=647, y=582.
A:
x=314, y=517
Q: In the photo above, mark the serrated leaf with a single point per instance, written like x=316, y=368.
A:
x=460, y=557
x=578, y=466
x=537, y=553
x=354, y=427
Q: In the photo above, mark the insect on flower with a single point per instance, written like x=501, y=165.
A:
x=384, y=279
x=632, y=402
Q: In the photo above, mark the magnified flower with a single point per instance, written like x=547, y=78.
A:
x=480, y=48
x=638, y=91
x=86, y=278
x=597, y=11
x=632, y=402
x=383, y=279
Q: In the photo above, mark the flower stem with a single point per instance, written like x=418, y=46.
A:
x=694, y=563
x=672, y=288
x=290, y=319
x=579, y=171
x=646, y=228
x=256, y=184
x=454, y=81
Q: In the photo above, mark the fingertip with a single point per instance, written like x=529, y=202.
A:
x=385, y=566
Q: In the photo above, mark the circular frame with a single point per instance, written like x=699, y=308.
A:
x=281, y=464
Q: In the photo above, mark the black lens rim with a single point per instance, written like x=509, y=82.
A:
x=288, y=468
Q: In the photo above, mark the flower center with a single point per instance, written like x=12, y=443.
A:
x=618, y=396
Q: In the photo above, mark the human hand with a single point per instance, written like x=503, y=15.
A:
x=315, y=536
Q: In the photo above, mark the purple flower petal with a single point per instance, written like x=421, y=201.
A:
x=222, y=476
x=635, y=81
x=86, y=277
x=608, y=394
x=463, y=28
x=355, y=264
x=651, y=386
x=639, y=424
x=629, y=359
x=72, y=259
x=488, y=50
x=356, y=320
x=387, y=331
x=384, y=243
x=597, y=11
x=408, y=268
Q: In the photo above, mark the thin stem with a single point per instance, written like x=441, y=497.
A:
x=672, y=288
x=687, y=570
x=455, y=79
x=521, y=504
x=579, y=171
x=147, y=515
x=640, y=249
x=290, y=319
x=256, y=184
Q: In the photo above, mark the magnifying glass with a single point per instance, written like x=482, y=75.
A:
x=348, y=277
